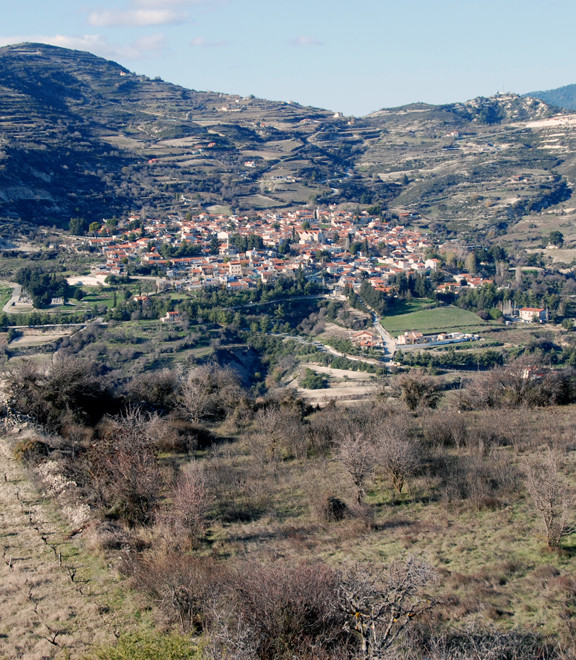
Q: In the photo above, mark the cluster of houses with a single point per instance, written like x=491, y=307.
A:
x=414, y=337
x=321, y=242
x=328, y=245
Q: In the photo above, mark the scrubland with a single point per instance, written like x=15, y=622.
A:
x=421, y=523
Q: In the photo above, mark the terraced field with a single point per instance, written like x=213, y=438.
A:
x=56, y=599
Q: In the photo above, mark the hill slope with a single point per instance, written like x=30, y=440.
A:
x=563, y=97
x=82, y=136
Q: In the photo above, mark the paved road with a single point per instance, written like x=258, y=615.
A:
x=387, y=339
x=14, y=298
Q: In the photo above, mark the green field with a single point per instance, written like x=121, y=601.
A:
x=5, y=294
x=445, y=319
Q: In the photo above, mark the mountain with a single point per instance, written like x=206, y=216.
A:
x=83, y=136
x=562, y=97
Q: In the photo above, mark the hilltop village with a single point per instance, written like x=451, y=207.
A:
x=237, y=252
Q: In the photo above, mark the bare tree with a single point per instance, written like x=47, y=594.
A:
x=357, y=454
x=551, y=495
x=279, y=434
x=379, y=606
x=210, y=392
x=156, y=389
x=124, y=470
x=183, y=518
x=396, y=452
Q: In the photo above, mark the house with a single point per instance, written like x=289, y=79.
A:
x=235, y=267
x=365, y=338
x=410, y=337
x=532, y=314
x=171, y=317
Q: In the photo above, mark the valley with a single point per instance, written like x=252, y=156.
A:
x=281, y=383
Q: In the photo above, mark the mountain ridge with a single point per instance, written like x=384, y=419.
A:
x=563, y=97
x=83, y=136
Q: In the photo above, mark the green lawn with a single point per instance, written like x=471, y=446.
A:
x=432, y=320
x=402, y=307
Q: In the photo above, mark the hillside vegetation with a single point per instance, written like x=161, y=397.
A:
x=263, y=528
x=82, y=136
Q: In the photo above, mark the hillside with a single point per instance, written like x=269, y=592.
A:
x=563, y=97
x=82, y=136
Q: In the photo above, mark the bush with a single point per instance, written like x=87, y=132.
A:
x=30, y=450
x=174, y=435
x=313, y=380
x=283, y=611
x=523, y=383
x=144, y=646
x=65, y=391
x=181, y=586
x=210, y=393
x=444, y=429
x=331, y=509
x=417, y=390
x=156, y=389
x=123, y=471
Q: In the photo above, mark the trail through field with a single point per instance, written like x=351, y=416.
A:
x=54, y=600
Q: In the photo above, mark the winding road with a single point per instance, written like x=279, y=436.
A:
x=14, y=299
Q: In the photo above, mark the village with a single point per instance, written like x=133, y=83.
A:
x=341, y=250
x=333, y=245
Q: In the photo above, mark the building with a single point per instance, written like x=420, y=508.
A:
x=410, y=337
x=171, y=317
x=532, y=314
x=366, y=339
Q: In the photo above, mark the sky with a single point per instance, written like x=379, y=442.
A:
x=350, y=56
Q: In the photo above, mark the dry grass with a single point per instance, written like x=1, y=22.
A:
x=490, y=549
x=464, y=511
x=56, y=598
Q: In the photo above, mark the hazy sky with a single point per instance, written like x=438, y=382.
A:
x=353, y=56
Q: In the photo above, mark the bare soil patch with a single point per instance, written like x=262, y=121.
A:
x=38, y=337
x=87, y=280
x=345, y=386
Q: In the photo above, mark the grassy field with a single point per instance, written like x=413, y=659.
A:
x=5, y=294
x=431, y=320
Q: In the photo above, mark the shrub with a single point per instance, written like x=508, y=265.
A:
x=171, y=434
x=155, y=389
x=146, y=645
x=279, y=434
x=552, y=495
x=313, y=380
x=331, y=509
x=65, y=391
x=182, y=519
x=523, y=383
x=210, y=393
x=284, y=611
x=183, y=587
x=30, y=450
x=123, y=471
x=418, y=390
